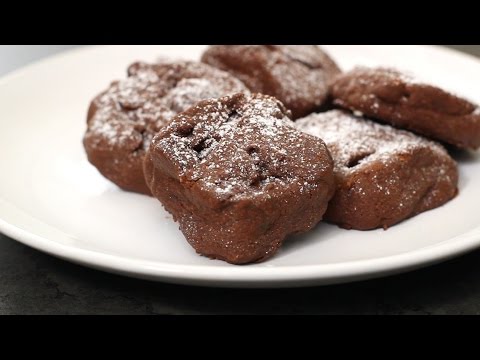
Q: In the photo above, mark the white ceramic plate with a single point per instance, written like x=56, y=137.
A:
x=53, y=200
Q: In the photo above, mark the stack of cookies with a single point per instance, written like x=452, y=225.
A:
x=256, y=143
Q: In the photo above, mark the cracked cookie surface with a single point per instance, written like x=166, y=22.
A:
x=238, y=177
x=383, y=175
x=123, y=120
x=405, y=102
x=297, y=75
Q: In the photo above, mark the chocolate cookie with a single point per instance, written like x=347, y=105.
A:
x=383, y=175
x=404, y=102
x=297, y=75
x=238, y=177
x=123, y=120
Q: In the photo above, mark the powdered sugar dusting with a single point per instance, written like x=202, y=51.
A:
x=312, y=84
x=394, y=77
x=241, y=146
x=356, y=143
x=302, y=72
x=188, y=92
x=144, y=103
x=298, y=75
x=384, y=175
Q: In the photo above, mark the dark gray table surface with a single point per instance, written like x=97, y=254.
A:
x=34, y=283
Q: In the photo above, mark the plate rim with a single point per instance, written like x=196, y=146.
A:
x=243, y=276
x=249, y=277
